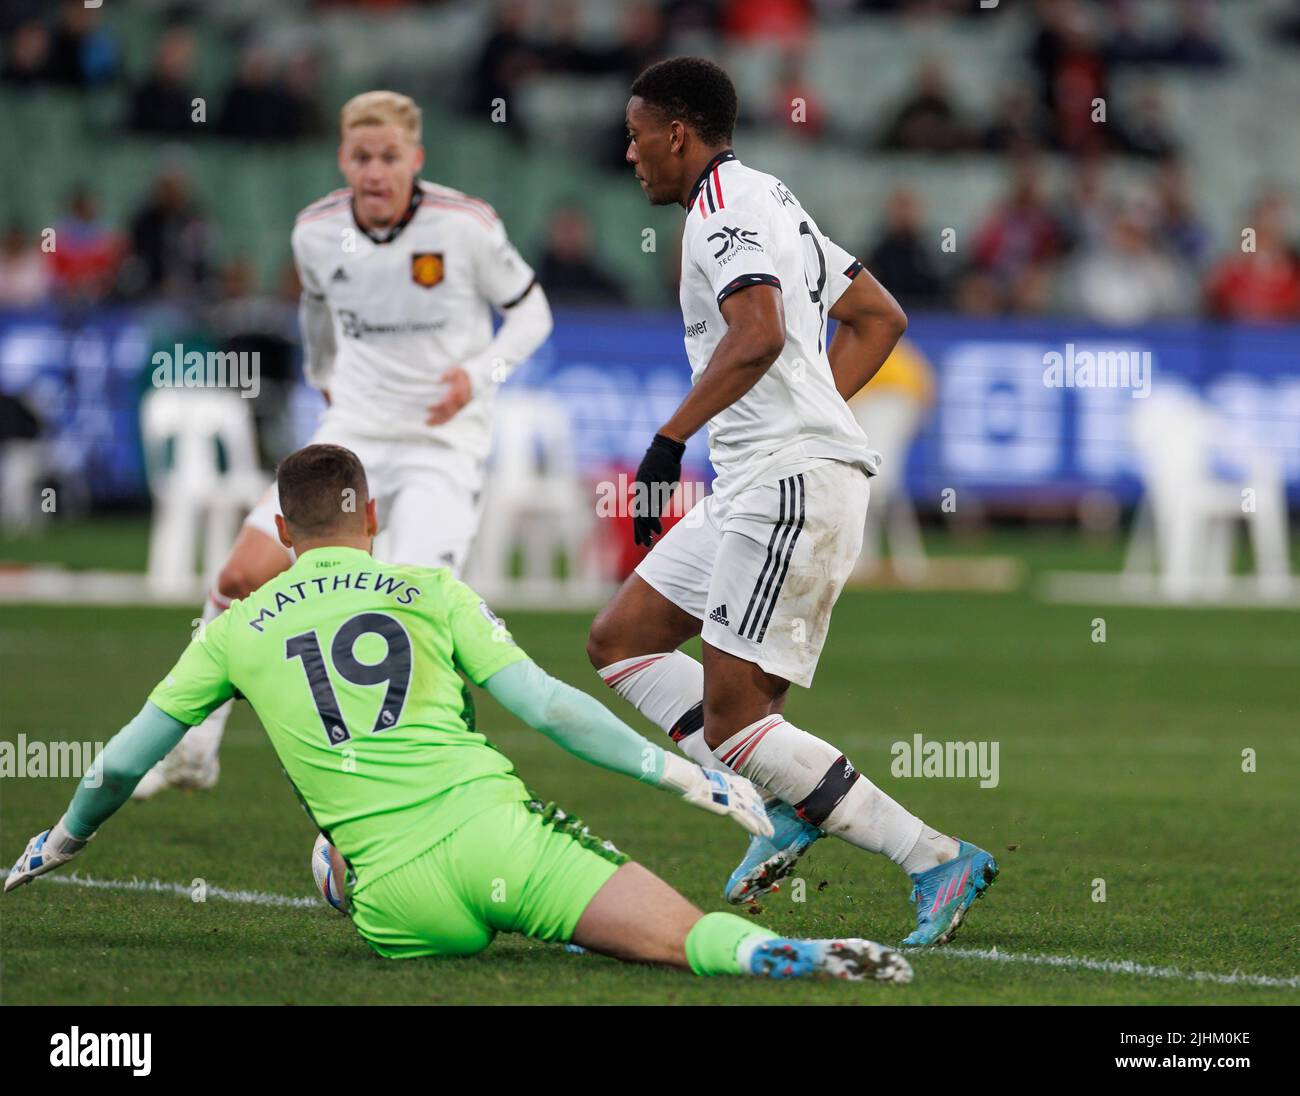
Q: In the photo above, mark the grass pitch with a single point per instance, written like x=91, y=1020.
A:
x=1119, y=761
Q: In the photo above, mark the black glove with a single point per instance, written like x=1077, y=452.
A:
x=656, y=479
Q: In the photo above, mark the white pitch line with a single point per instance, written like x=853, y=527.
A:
x=1120, y=966
x=156, y=886
x=1063, y=962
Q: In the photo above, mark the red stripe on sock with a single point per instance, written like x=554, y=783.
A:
x=756, y=733
x=628, y=671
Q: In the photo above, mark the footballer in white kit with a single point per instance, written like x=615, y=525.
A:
x=756, y=567
x=400, y=281
x=392, y=311
x=762, y=564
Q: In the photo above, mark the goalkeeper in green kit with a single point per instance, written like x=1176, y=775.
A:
x=351, y=666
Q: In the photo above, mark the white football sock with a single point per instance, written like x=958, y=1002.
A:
x=825, y=789
x=203, y=741
x=668, y=689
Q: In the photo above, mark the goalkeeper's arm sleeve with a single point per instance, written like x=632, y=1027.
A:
x=577, y=722
x=317, y=326
x=130, y=754
x=524, y=327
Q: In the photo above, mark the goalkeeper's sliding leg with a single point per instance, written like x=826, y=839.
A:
x=257, y=556
x=639, y=918
x=533, y=869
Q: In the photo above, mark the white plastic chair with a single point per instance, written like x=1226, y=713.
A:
x=23, y=465
x=534, y=497
x=1188, y=516
x=192, y=488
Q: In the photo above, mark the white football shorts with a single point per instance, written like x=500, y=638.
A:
x=428, y=498
x=763, y=570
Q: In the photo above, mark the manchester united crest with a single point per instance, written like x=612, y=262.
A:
x=426, y=268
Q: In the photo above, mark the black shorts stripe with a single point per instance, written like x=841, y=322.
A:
x=767, y=563
x=780, y=550
x=785, y=563
x=782, y=546
x=834, y=785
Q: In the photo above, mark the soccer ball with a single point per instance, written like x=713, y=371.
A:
x=327, y=886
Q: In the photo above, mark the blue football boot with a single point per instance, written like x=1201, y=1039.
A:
x=944, y=894
x=770, y=859
x=848, y=960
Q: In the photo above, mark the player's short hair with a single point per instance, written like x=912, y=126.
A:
x=381, y=108
x=323, y=490
x=695, y=90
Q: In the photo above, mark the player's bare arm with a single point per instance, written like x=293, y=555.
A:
x=870, y=324
x=755, y=335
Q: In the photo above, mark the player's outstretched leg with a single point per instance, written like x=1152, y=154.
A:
x=637, y=917
x=255, y=558
x=631, y=645
x=826, y=792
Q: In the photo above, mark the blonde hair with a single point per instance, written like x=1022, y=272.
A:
x=381, y=108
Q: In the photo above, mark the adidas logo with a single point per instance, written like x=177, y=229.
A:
x=719, y=615
x=340, y=275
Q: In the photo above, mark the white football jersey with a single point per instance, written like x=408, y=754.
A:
x=745, y=228
x=406, y=305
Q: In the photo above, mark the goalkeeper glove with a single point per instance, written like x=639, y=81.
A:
x=718, y=793
x=44, y=852
x=656, y=478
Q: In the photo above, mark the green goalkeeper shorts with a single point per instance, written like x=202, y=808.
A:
x=516, y=867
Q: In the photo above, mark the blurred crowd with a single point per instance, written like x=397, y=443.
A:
x=272, y=96
x=1120, y=253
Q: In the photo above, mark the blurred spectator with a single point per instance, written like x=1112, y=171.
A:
x=927, y=121
x=1072, y=74
x=27, y=55
x=1262, y=285
x=86, y=251
x=17, y=13
x=796, y=105
x=1017, y=125
x=81, y=53
x=787, y=22
x=642, y=39
x=1014, y=251
x=1085, y=214
x=1143, y=128
x=1127, y=42
x=900, y=260
x=1128, y=278
x=164, y=103
x=1179, y=223
x=1197, y=40
x=302, y=84
x=568, y=270
x=25, y=278
x=507, y=60
x=1287, y=26
x=171, y=240
x=258, y=106
x=1020, y=231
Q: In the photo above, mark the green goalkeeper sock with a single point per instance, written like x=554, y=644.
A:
x=721, y=943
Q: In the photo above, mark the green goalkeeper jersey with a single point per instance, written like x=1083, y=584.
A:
x=351, y=665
